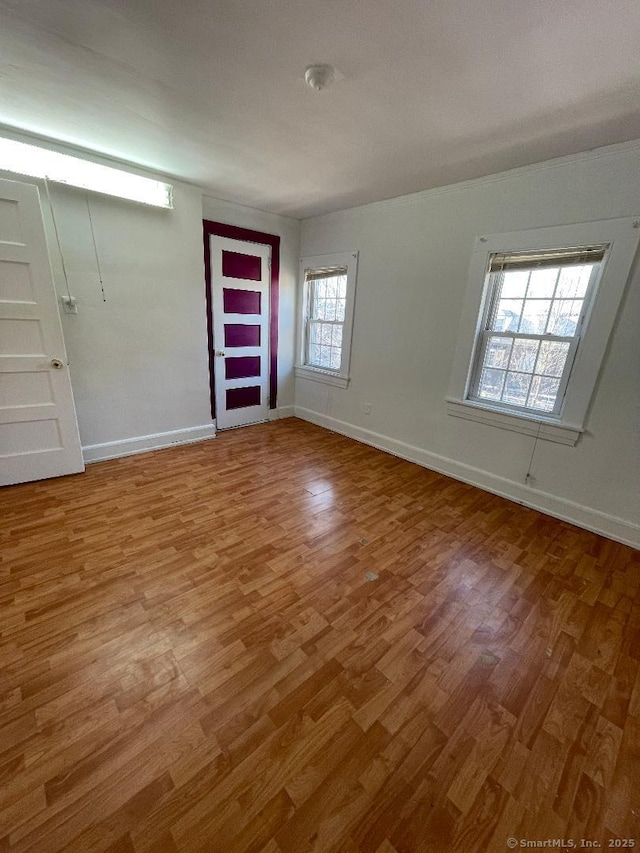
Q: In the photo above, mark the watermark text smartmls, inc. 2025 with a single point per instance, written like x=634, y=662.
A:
x=571, y=843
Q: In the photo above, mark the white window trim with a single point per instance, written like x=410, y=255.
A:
x=622, y=235
x=339, y=378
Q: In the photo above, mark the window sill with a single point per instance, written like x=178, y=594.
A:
x=544, y=428
x=318, y=375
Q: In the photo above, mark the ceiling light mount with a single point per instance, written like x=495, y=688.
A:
x=318, y=77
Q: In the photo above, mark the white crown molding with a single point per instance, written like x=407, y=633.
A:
x=208, y=193
x=610, y=526
x=603, y=152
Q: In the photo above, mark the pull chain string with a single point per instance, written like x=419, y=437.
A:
x=528, y=476
x=95, y=249
x=55, y=228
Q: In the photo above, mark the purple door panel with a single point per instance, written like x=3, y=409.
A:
x=242, y=367
x=236, y=265
x=239, y=335
x=240, y=398
x=240, y=301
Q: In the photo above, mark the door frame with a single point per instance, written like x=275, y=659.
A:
x=234, y=232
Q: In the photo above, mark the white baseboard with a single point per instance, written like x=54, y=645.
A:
x=280, y=413
x=144, y=443
x=566, y=510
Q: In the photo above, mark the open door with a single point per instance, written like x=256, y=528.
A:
x=38, y=428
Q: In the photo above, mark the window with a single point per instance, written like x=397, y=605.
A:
x=327, y=315
x=327, y=302
x=539, y=311
x=535, y=314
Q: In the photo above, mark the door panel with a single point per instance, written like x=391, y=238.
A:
x=38, y=428
x=242, y=367
x=240, y=278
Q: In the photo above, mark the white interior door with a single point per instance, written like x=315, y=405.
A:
x=38, y=428
x=240, y=278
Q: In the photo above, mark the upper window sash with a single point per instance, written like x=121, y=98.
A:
x=495, y=282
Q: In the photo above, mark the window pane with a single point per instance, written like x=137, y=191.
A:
x=523, y=356
x=336, y=336
x=564, y=317
x=534, y=316
x=329, y=309
x=574, y=281
x=514, y=284
x=507, y=316
x=315, y=308
x=342, y=287
x=322, y=305
x=491, y=382
x=325, y=333
x=497, y=352
x=340, y=309
x=325, y=357
x=543, y=393
x=516, y=388
x=553, y=355
x=332, y=288
x=315, y=330
x=542, y=283
x=314, y=354
x=335, y=358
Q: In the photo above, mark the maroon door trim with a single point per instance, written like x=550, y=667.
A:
x=246, y=234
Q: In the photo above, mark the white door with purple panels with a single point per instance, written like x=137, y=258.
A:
x=240, y=276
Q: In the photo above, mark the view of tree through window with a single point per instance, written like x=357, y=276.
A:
x=326, y=315
x=530, y=334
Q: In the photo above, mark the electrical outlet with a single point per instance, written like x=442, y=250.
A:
x=69, y=304
x=367, y=408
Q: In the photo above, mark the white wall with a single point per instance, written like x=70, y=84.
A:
x=138, y=361
x=289, y=232
x=412, y=277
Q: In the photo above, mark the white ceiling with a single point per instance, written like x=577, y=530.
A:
x=432, y=91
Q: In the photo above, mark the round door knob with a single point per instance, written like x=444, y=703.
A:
x=57, y=363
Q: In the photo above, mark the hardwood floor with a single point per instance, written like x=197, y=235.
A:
x=282, y=640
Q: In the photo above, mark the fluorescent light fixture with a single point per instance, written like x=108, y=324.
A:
x=64, y=169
